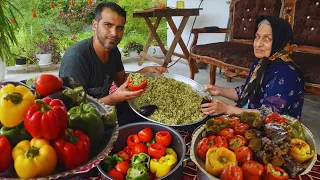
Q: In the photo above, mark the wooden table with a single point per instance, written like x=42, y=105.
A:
x=166, y=13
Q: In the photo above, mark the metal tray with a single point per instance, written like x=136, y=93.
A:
x=97, y=154
x=204, y=175
x=194, y=85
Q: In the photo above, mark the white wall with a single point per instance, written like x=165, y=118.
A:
x=214, y=13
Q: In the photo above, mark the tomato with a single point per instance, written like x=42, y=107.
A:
x=116, y=174
x=227, y=133
x=252, y=170
x=128, y=150
x=234, y=121
x=123, y=167
x=156, y=150
x=243, y=154
x=139, y=148
x=231, y=172
x=237, y=141
x=241, y=128
x=132, y=140
x=47, y=84
x=164, y=138
x=274, y=118
x=5, y=154
x=137, y=88
x=124, y=155
x=145, y=135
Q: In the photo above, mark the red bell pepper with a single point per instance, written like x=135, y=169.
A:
x=41, y=120
x=241, y=128
x=275, y=173
x=231, y=172
x=60, y=109
x=233, y=122
x=5, y=154
x=227, y=133
x=211, y=141
x=137, y=88
x=243, y=154
x=237, y=141
x=252, y=170
x=73, y=148
x=274, y=118
x=47, y=84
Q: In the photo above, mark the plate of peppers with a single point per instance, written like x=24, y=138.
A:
x=249, y=146
x=144, y=151
x=52, y=131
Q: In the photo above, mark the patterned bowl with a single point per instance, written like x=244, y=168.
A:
x=204, y=175
x=97, y=154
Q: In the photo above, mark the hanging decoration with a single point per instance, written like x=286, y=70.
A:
x=89, y=2
x=12, y=20
x=34, y=14
x=72, y=3
x=51, y=5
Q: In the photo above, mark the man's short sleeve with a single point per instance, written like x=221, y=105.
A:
x=118, y=63
x=76, y=67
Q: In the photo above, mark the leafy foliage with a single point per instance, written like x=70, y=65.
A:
x=131, y=47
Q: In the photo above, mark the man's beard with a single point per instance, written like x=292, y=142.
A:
x=108, y=45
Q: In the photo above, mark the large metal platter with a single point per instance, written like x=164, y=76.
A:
x=204, y=175
x=195, y=86
x=97, y=154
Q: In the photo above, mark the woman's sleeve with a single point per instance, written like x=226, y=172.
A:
x=239, y=89
x=283, y=93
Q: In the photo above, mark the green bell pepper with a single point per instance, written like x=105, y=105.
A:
x=15, y=134
x=137, y=172
x=153, y=141
x=141, y=158
x=86, y=118
x=295, y=129
x=110, y=161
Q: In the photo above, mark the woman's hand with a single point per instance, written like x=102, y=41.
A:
x=215, y=107
x=153, y=69
x=213, y=90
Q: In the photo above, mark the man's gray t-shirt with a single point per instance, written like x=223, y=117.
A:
x=83, y=64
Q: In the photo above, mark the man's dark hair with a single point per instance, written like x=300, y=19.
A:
x=113, y=6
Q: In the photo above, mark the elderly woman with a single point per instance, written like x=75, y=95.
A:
x=275, y=83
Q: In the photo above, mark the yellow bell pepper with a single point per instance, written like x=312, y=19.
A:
x=35, y=158
x=300, y=150
x=14, y=103
x=171, y=152
x=163, y=166
x=217, y=159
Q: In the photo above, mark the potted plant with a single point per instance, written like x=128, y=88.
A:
x=7, y=36
x=132, y=48
x=64, y=42
x=47, y=48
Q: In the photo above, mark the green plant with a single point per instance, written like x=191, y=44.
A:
x=132, y=47
x=7, y=35
x=47, y=46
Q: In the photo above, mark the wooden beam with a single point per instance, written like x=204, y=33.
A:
x=154, y=59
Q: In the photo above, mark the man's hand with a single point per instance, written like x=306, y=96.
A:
x=121, y=94
x=215, y=107
x=153, y=69
x=213, y=90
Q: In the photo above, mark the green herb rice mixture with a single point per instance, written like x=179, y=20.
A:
x=136, y=79
x=177, y=102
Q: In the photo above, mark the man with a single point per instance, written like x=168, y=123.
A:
x=96, y=62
